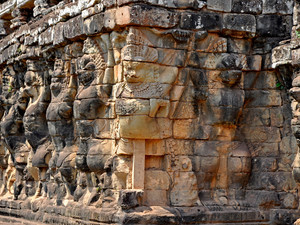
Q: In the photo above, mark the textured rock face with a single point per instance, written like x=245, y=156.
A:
x=125, y=105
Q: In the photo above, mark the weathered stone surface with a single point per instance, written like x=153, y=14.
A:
x=205, y=20
x=241, y=6
x=274, y=6
x=146, y=15
x=273, y=25
x=118, y=111
x=184, y=194
x=73, y=28
x=157, y=180
x=94, y=24
x=239, y=25
x=218, y=5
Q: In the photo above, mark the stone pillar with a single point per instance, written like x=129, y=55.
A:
x=138, y=168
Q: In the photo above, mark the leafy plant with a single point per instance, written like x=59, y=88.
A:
x=279, y=85
x=10, y=87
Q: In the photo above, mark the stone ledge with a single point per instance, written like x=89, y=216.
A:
x=43, y=212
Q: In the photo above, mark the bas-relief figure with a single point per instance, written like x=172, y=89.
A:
x=111, y=105
x=91, y=107
x=61, y=128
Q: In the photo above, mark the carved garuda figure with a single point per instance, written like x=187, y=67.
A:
x=91, y=109
x=36, y=130
x=61, y=126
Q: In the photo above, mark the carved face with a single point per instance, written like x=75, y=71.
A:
x=22, y=100
x=58, y=68
x=30, y=84
x=86, y=74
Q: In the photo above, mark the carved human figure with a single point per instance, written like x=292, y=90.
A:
x=91, y=112
x=36, y=130
x=12, y=130
x=143, y=105
x=229, y=170
x=61, y=129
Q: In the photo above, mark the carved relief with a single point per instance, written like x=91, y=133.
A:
x=92, y=104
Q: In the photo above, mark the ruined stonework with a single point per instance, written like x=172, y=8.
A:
x=150, y=111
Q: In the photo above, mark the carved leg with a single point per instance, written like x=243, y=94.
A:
x=239, y=168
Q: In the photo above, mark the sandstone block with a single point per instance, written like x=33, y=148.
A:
x=288, y=145
x=275, y=6
x=130, y=198
x=155, y=147
x=262, y=134
x=179, y=147
x=226, y=97
x=225, y=61
x=273, y=25
x=263, y=98
x=110, y=19
x=219, y=5
x=253, y=7
x=277, y=117
x=73, y=28
x=154, y=162
x=286, y=53
x=262, y=80
x=184, y=194
x=93, y=108
x=145, y=90
x=131, y=127
x=126, y=107
x=289, y=200
x=94, y=24
x=84, y=128
x=256, y=117
x=58, y=37
x=178, y=163
x=205, y=20
x=212, y=43
x=266, y=149
x=157, y=180
x=139, y=53
x=283, y=54
x=171, y=57
x=155, y=198
x=190, y=129
x=103, y=128
x=207, y=148
x=182, y=110
x=145, y=15
x=152, y=38
x=236, y=45
x=262, y=164
x=205, y=164
x=165, y=126
x=136, y=72
x=46, y=37
x=239, y=25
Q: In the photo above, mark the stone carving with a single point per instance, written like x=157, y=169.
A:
x=61, y=127
x=111, y=105
x=37, y=91
x=90, y=107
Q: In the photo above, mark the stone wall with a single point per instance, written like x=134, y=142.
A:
x=149, y=111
